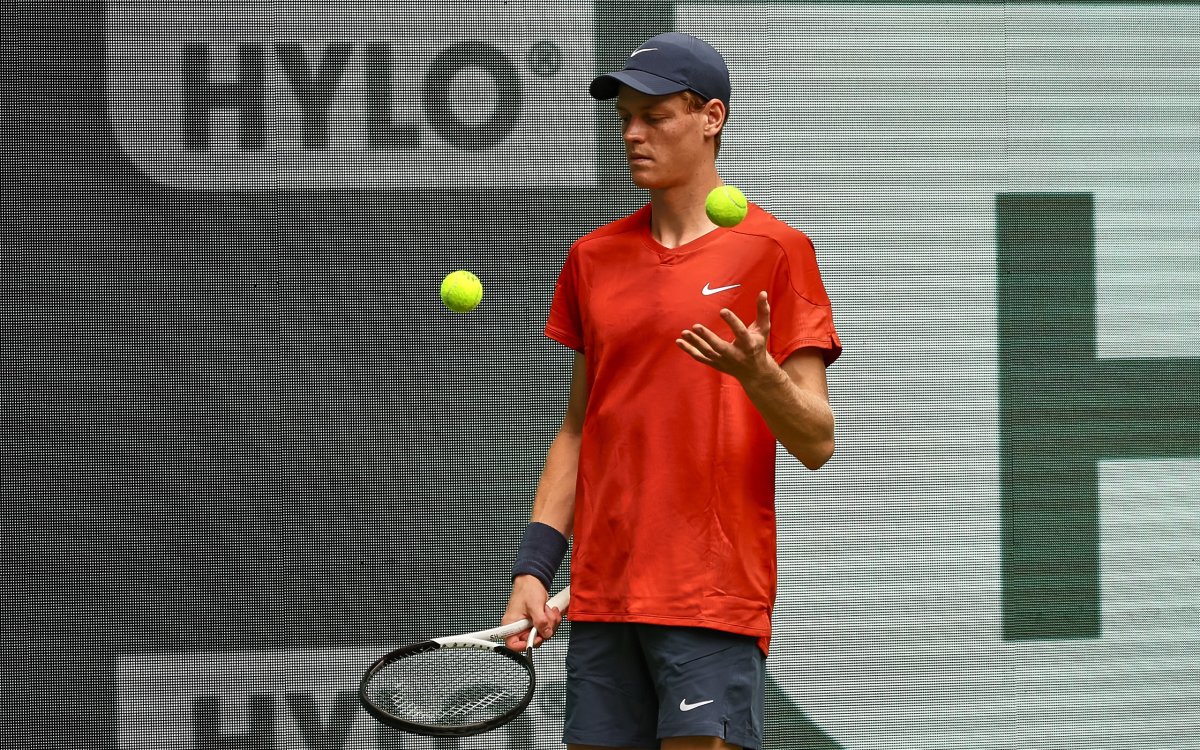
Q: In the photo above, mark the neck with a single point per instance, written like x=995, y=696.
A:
x=677, y=213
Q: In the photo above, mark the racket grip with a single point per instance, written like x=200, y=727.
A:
x=560, y=600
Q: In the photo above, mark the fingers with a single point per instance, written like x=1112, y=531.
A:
x=702, y=344
x=527, y=602
x=520, y=641
x=546, y=621
x=706, y=340
x=692, y=352
x=516, y=642
x=705, y=346
x=740, y=332
x=763, y=320
x=545, y=627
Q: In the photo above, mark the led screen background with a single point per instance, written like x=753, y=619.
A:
x=252, y=449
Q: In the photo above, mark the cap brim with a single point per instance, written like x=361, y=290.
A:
x=606, y=86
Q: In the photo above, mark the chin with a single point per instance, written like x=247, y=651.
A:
x=644, y=180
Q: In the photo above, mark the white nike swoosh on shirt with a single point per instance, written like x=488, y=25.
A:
x=640, y=51
x=707, y=291
x=685, y=706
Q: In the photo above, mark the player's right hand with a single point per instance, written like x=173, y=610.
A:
x=528, y=602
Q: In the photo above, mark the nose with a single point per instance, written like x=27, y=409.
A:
x=631, y=131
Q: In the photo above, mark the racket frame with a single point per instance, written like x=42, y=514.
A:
x=484, y=640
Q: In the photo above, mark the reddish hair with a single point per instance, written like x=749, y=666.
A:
x=695, y=103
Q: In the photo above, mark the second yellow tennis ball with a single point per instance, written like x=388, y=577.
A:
x=726, y=206
x=461, y=291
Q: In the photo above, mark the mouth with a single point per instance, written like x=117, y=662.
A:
x=639, y=159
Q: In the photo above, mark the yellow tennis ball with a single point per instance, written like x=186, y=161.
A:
x=726, y=206
x=461, y=291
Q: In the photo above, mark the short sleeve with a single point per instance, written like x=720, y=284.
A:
x=801, y=314
x=564, y=323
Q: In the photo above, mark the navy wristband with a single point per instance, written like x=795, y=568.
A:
x=541, y=552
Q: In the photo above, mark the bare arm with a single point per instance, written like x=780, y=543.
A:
x=793, y=399
x=794, y=402
x=553, y=505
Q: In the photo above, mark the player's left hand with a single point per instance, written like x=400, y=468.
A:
x=744, y=357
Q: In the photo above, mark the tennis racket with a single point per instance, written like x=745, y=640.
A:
x=457, y=686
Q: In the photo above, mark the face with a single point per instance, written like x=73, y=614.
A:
x=666, y=142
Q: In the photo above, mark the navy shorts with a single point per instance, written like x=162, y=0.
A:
x=630, y=685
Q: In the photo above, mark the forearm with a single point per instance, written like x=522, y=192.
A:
x=544, y=542
x=801, y=420
x=545, y=539
x=554, y=503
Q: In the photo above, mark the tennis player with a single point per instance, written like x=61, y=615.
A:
x=697, y=348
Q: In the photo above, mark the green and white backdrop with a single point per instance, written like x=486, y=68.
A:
x=250, y=449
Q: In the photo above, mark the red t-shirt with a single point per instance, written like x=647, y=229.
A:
x=675, y=498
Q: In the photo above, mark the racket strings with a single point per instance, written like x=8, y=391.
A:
x=450, y=687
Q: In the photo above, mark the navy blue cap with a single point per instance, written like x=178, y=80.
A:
x=667, y=64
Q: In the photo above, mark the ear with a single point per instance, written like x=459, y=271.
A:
x=714, y=117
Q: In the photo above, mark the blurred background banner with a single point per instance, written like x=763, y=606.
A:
x=269, y=95
x=251, y=449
